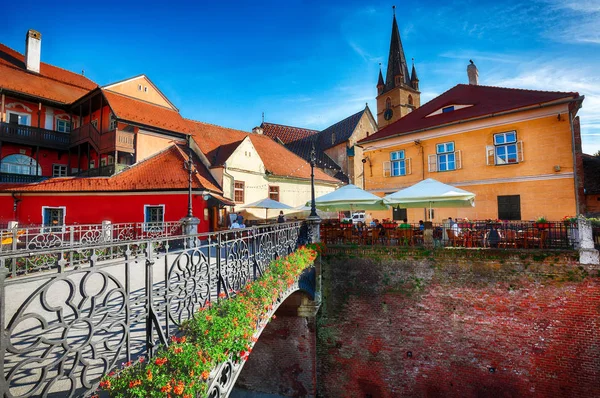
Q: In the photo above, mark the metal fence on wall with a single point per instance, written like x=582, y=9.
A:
x=70, y=314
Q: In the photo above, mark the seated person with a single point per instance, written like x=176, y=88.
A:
x=358, y=227
x=373, y=223
x=454, y=227
x=381, y=228
x=421, y=225
x=494, y=237
x=405, y=225
x=235, y=225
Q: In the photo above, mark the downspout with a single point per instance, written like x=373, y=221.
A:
x=574, y=152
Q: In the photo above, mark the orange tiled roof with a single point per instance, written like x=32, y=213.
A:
x=137, y=111
x=52, y=83
x=163, y=171
x=218, y=143
x=286, y=134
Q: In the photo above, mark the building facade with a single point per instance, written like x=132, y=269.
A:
x=519, y=151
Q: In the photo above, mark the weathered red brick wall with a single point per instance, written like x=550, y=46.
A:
x=459, y=324
x=283, y=359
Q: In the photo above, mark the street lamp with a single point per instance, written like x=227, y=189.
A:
x=313, y=204
x=189, y=166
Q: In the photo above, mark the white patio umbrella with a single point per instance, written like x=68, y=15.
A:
x=267, y=203
x=349, y=197
x=431, y=193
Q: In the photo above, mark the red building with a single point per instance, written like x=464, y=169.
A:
x=76, y=142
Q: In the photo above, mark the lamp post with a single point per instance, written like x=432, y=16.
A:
x=189, y=223
x=313, y=204
x=189, y=165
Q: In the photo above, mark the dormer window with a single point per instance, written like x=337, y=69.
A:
x=448, y=109
x=332, y=138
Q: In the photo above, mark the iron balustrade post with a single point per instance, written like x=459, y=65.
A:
x=4, y=390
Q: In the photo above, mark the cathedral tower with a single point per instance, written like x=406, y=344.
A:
x=399, y=93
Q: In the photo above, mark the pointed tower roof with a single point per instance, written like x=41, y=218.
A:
x=396, y=60
x=413, y=75
x=380, y=80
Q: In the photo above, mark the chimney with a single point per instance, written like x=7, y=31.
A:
x=473, y=74
x=257, y=130
x=33, y=49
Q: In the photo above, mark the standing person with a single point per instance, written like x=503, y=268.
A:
x=281, y=218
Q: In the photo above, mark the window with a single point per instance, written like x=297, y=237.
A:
x=398, y=165
x=139, y=87
x=94, y=123
x=59, y=170
x=446, y=158
x=102, y=162
x=410, y=100
x=145, y=89
x=20, y=164
x=112, y=121
x=509, y=207
x=448, y=109
x=388, y=103
x=506, y=149
x=399, y=214
x=18, y=118
x=53, y=217
x=238, y=191
x=154, y=216
x=64, y=126
x=92, y=164
x=274, y=193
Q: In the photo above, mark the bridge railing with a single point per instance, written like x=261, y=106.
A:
x=70, y=314
x=35, y=238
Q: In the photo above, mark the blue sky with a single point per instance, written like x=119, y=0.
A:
x=312, y=63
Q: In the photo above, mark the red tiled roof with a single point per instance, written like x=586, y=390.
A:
x=163, y=171
x=52, y=83
x=485, y=100
x=218, y=143
x=286, y=134
x=145, y=113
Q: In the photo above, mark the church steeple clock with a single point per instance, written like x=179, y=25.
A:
x=398, y=94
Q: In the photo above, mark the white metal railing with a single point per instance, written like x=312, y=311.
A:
x=45, y=237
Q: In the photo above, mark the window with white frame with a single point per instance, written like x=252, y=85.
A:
x=506, y=149
x=53, y=217
x=59, y=170
x=274, y=192
x=398, y=165
x=63, y=126
x=23, y=119
x=20, y=164
x=446, y=158
x=238, y=191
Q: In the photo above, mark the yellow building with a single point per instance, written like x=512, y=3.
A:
x=519, y=151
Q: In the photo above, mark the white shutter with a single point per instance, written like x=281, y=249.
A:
x=387, y=167
x=458, y=160
x=520, y=157
x=432, y=163
x=490, y=153
x=408, y=166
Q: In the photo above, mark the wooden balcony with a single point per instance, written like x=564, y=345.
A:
x=28, y=135
x=114, y=140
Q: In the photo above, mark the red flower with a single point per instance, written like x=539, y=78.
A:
x=177, y=350
x=149, y=375
x=166, y=388
x=135, y=383
x=160, y=361
x=178, y=390
x=105, y=384
x=205, y=375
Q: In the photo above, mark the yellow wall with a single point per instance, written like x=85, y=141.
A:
x=546, y=144
x=150, y=143
x=148, y=92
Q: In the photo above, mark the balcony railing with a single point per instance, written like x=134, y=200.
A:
x=28, y=135
x=103, y=171
x=114, y=140
x=20, y=178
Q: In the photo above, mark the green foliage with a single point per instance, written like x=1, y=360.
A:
x=215, y=333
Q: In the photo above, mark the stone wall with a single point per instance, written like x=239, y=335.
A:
x=458, y=323
x=283, y=360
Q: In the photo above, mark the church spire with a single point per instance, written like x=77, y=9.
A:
x=414, y=80
x=380, y=83
x=397, y=70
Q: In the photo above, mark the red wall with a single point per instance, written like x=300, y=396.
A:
x=94, y=209
x=509, y=325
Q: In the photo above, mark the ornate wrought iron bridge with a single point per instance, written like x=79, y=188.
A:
x=76, y=303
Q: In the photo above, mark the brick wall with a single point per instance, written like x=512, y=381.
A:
x=458, y=324
x=283, y=360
